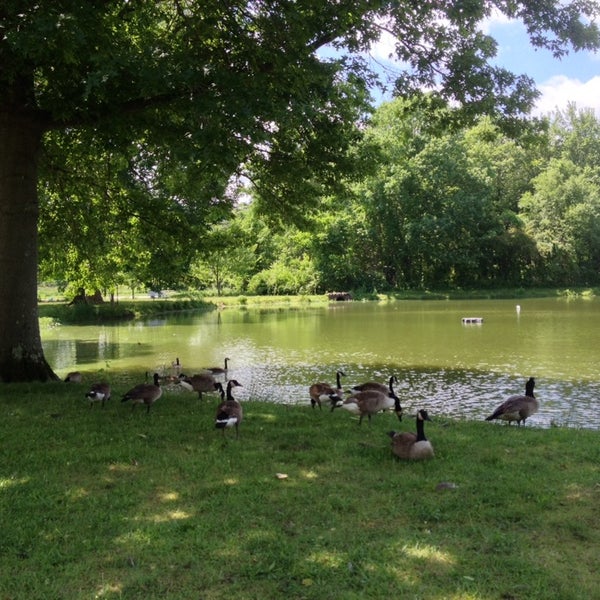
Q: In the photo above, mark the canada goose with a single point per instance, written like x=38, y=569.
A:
x=176, y=365
x=144, y=393
x=219, y=370
x=517, y=408
x=202, y=382
x=393, y=401
x=219, y=388
x=408, y=445
x=73, y=377
x=378, y=387
x=98, y=392
x=323, y=391
x=229, y=411
x=369, y=402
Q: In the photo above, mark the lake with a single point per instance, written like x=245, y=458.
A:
x=443, y=365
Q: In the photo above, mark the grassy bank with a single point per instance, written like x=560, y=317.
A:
x=125, y=310
x=481, y=294
x=115, y=503
x=54, y=307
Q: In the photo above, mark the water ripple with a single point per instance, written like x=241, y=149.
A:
x=462, y=394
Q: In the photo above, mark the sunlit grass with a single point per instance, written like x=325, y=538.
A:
x=119, y=504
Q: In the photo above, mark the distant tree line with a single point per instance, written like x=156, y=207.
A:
x=436, y=205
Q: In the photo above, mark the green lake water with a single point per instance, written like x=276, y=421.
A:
x=441, y=363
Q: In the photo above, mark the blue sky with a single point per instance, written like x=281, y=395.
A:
x=573, y=79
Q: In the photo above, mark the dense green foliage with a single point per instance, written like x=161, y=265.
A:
x=459, y=208
x=451, y=208
x=436, y=206
x=115, y=503
x=462, y=208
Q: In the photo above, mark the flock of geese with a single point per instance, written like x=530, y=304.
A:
x=370, y=398
x=366, y=399
x=229, y=412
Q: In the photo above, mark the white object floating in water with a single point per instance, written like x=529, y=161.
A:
x=472, y=320
x=518, y=309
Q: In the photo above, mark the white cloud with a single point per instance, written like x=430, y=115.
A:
x=385, y=47
x=560, y=90
x=495, y=19
x=572, y=80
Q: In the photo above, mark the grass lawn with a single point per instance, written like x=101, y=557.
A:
x=116, y=503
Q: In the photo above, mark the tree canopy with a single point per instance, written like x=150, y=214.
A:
x=138, y=116
x=454, y=208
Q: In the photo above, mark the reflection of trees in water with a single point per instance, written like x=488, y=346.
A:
x=108, y=346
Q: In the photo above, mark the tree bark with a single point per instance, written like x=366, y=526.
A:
x=21, y=353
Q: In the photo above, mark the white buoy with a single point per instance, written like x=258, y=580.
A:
x=518, y=309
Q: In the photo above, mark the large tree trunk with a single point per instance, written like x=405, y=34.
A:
x=21, y=353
